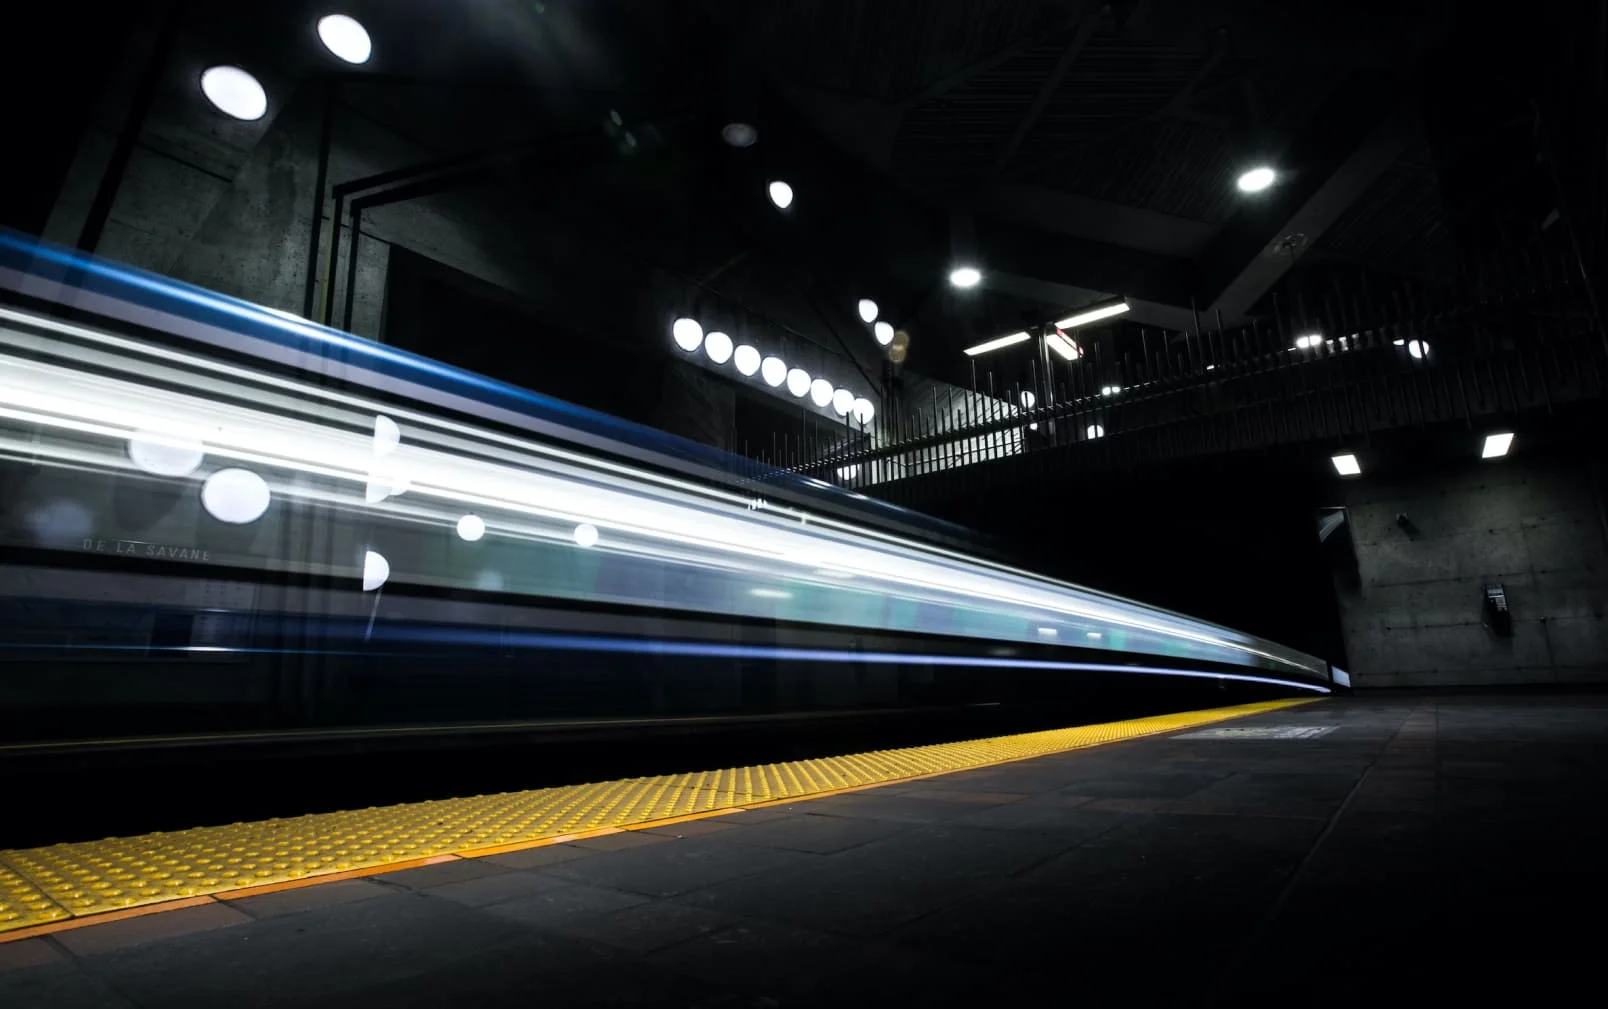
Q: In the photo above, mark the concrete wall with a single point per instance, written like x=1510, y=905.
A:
x=1535, y=526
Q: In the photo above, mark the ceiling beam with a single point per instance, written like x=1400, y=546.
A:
x=1364, y=128
x=949, y=82
x=1051, y=84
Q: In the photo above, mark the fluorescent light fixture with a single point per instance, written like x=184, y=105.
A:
x=1028, y=399
x=1095, y=431
x=1308, y=340
x=687, y=334
x=798, y=381
x=1257, y=179
x=1068, y=350
x=842, y=402
x=1497, y=445
x=773, y=370
x=746, y=359
x=165, y=454
x=345, y=37
x=236, y=496
x=965, y=276
x=864, y=410
x=868, y=310
x=376, y=569
x=585, y=535
x=780, y=194
x=1346, y=464
x=821, y=392
x=1004, y=341
x=471, y=528
x=883, y=332
x=1419, y=349
x=1094, y=314
x=235, y=93
x=718, y=346
x=770, y=593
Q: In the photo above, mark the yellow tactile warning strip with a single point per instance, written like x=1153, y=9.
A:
x=42, y=889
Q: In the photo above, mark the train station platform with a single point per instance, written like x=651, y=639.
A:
x=1329, y=853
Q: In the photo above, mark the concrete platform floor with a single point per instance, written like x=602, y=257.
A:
x=1420, y=848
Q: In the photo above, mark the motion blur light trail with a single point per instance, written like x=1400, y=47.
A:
x=396, y=483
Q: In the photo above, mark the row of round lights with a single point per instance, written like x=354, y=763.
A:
x=236, y=93
x=689, y=335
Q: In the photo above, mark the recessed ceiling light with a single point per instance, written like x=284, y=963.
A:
x=235, y=496
x=1257, y=179
x=687, y=334
x=345, y=37
x=235, y=93
x=821, y=392
x=868, y=310
x=1028, y=399
x=746, y=359
x=1497, y=445
x=842, y=402
x=1346, y=464
x=1094, y=431
x=884, y=332
x=965, y=276
x=376, y=570
x=1419, y=349
x=471, y=528
x=781, y=194
x=773, y=370
x=739, y=134
x=864, y=410
x=585, y=535
x=166, y=454
x=718, y=346
x=798, y=381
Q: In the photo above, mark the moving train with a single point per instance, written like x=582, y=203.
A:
x=219, y=518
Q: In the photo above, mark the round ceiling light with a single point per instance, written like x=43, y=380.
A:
x=798, y=381
x=718, y=346
x=965, y=276
x=1028, y=399
x=345, y=37
x=585, y=535
x=884, y=332
x=471, y=528
x=687, y=334
x=774, y=371
x=864, y=410
x=1095, y=431
x=376, y=569
x=235, y=93
x=746, y=359
x=1417, y=348
x=820, y=392
x=1257, y=179
x=235, y=496
x=739, y=134
x=165, y=454
x=868, y=310
x=781, y=194
x=842, y=402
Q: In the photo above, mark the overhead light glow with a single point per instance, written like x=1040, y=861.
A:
x=842, y=402
x=235, y=93
x=864, y=410
x=848, y=472
x=1094, y=431
x=376, y=570
x=1093, y=315
x=387, y=436
x=883, y=332
x=770, y=593
x=798, y=381
x=1497, y=445
x=1419, y=349
x=1308, y=341
x=774, y=371
x=687, y=334
x=1068, y=350
x=1110, y=390
x=781, y=194
x=868, y=310
x=746, y=359
x=1048, y=632
x=1028, y=399
x=718, y=346
x=965, y=276
x=236, y=496
x=820, y=392
x=739, y=134
x=1004, y=341
x=345, y=37
x=471, y=528
x=1398, y=342
x=1346, y=464
x=165, y=454
x=1093, y=635
x=1257, y=179
x=585, y=535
